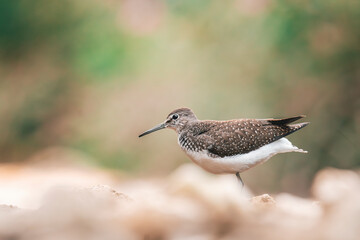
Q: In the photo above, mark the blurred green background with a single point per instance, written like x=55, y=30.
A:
x=89, y=76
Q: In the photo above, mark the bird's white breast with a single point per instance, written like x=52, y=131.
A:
x=241, y=162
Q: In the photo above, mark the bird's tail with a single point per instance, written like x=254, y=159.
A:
x=284, y=123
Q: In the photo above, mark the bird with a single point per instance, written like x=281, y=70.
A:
x=230, y=146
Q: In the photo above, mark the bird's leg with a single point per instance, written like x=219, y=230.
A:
x=239, y=178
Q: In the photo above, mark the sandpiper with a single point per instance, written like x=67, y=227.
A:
x=231, y=146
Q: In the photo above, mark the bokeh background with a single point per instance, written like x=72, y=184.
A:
x=84, y=78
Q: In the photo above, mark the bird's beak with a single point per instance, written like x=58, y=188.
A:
x=156, y=128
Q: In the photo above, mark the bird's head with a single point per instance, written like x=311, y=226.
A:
x=177, y=120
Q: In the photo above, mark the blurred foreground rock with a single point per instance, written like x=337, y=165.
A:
x=189, y=204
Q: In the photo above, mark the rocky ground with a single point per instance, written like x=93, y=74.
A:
x=75, y=203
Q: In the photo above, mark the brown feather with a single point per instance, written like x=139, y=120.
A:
x=228, y=138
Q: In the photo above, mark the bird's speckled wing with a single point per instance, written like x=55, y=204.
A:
x=228, y=138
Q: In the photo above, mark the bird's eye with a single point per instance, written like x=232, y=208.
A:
x=175, y=116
